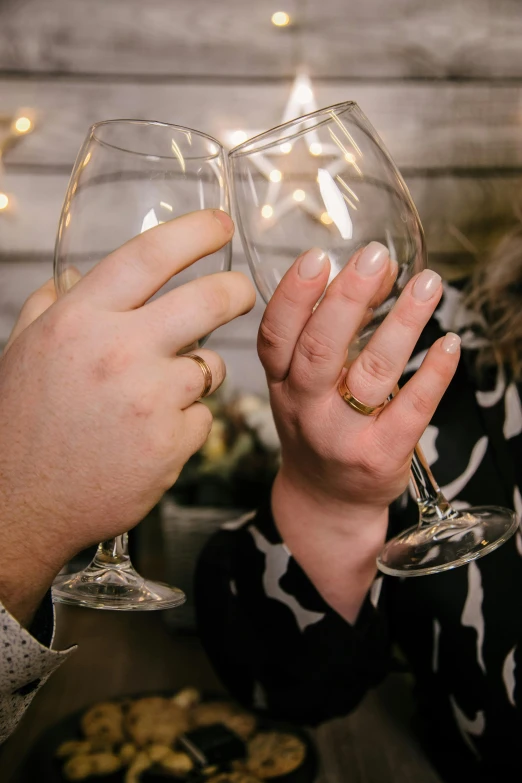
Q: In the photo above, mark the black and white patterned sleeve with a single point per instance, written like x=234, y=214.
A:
x=273, y=640
x=26, y=662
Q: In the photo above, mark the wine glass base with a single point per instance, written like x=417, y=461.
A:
x=115, y=588
x=455, y=541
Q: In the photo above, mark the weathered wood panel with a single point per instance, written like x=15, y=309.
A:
x=424, y=125
x=450, y=206
x=375, y=38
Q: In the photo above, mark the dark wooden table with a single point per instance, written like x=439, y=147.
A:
x=123, y=653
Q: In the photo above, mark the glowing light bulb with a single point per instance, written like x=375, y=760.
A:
x=299, y=195
x=23, y=125
x=349, y=157
x=315, y=148
x=286, y=148
x=326, y=219
x=267, y=211
x=4, y=201
x=304, y=94
x=275, y=176
x=280, y=19
x=238, y=137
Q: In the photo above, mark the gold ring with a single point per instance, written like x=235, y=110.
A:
x=205, y=369
x=360, y=407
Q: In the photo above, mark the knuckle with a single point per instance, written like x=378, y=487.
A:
x=316, y=348
x=405, y=318
x=373, y=366
x=270, y=336
x=204, y=425
x=421, y=401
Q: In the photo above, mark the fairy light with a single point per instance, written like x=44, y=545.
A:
x=299, y=195
x=275, y=176
x=286, y=148
x=281, y=19
x=4, y=201
x=315, y=148
x=326, y=219
x=238, y=137
x=23, y=125
x=267, y=211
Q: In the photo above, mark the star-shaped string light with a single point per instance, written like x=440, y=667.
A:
x=334, y=156
x=12, y=129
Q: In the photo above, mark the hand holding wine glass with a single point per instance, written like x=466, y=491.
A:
x=332, y=185
x=99, y=412
x=340, y=471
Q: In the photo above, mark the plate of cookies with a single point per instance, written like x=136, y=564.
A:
x=182, y=737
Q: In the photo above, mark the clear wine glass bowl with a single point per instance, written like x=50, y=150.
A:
x=326, y=180
x=129, y=176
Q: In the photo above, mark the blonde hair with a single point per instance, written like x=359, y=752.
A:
x=496, y=293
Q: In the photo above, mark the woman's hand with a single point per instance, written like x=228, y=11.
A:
x=341, y=469
x=97, y=413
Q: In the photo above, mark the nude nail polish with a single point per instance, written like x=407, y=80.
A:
x=426, y=285
x=312, y=263
x=372, y=259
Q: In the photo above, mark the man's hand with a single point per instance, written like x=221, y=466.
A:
x=98, y=414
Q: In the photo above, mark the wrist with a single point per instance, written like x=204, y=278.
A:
x=297, y=504
x=335, y=543
x=29, y=562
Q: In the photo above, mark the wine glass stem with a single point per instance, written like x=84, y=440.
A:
x=113, y=553
x=433, y=506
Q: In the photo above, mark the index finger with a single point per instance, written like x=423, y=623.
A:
x=128, y=277
x=289, y=309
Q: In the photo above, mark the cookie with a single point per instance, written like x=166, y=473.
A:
x=240, y=722
x=104, y=722
x=271, y=754
x=155, y=720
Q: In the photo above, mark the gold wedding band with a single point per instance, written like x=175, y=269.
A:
x=360, y=407
x=205, y=369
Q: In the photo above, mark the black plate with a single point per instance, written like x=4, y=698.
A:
x=41, y=764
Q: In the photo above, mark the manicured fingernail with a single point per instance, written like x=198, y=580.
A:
x=224, y=219
x=426, y=285
x=394, y=268
x=451, y=343
x=312, y=263
x=372, y=259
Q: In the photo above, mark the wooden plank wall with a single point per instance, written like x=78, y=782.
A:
x=442, y=83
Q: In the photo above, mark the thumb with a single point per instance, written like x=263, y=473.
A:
x=35, y=305
x=39, y=302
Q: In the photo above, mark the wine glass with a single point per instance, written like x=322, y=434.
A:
x=326, y=180
x=129, y=176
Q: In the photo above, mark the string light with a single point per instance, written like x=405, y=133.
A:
x=276, y=176
x=4, y=201
x=23, y=125
x=280, y=19
x=286, y=148
x=238, y=137
x=304, y=93
x=315, y=148
x=299, y=195
x=267, y=211
x=326, y=219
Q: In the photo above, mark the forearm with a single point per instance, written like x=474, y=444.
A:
x=335, y=545
x=269, y=632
